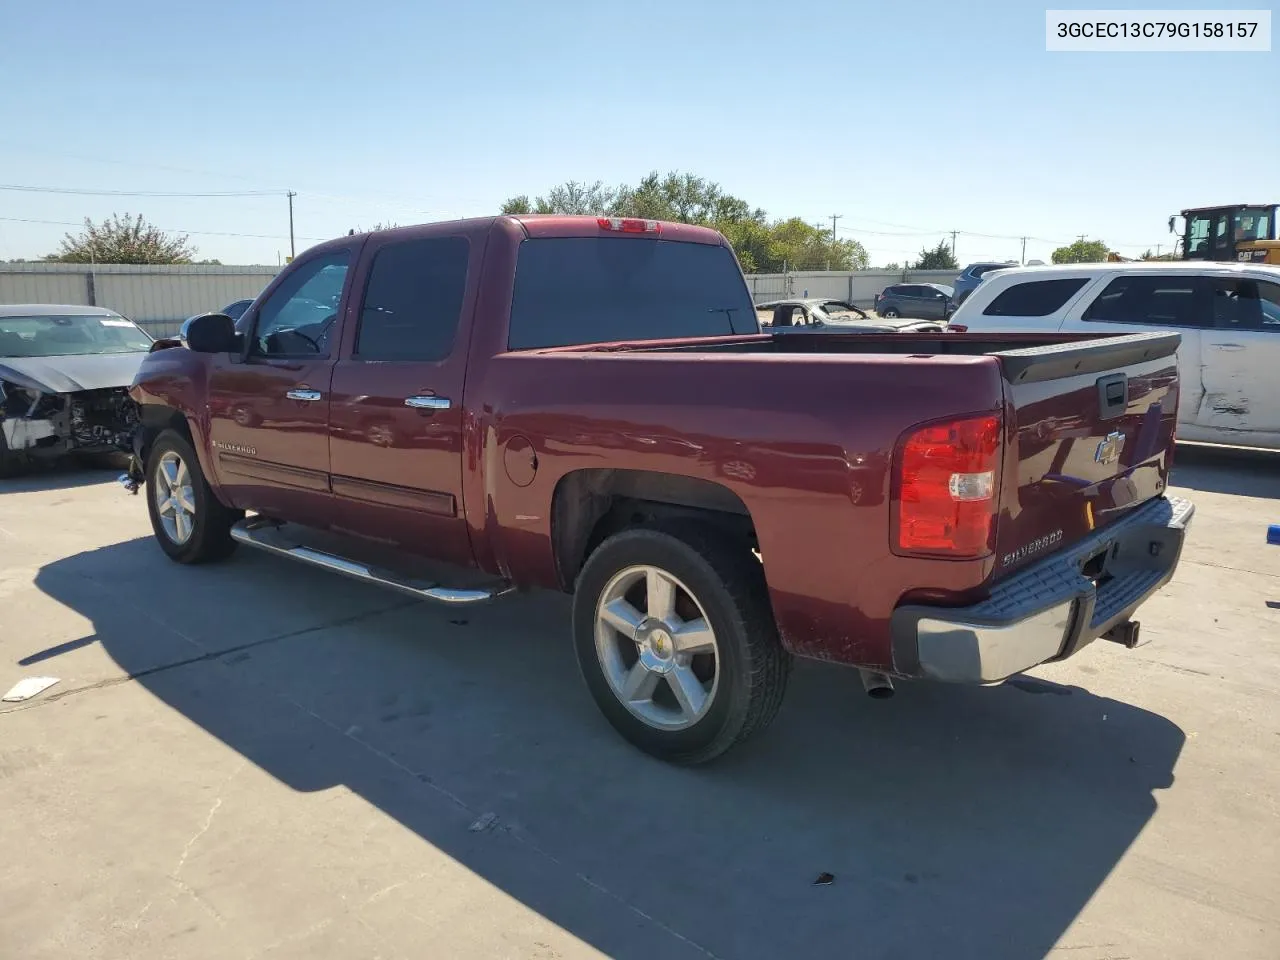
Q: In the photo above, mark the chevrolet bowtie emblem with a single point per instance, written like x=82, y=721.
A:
x=1109, y=448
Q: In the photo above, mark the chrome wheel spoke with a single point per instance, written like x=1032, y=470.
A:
x=660, y=593
x=688, y=690
x=694, y=636
x=640, y=683
x=175, y=498
x=622, y=616
x=645, y=649
x=182, y=520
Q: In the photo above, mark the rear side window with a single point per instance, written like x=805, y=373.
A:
x=413, y=300
x=1162, y=301
x=583, y=290
x=1034, y=298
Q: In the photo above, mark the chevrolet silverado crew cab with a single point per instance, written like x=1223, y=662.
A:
x=457, y=410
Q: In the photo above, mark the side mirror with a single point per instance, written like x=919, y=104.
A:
x=1171, y=219
x=211, y=333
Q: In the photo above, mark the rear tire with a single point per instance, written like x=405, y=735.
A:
x=890, y=314
x=700, y=675
x=189, y=522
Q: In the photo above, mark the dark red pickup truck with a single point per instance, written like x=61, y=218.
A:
x=589, y=405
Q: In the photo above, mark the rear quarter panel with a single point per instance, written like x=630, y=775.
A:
x=804, y=441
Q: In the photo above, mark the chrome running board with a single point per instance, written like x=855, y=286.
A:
x=257, y=532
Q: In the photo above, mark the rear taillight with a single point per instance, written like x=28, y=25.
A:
x=957, y=328
x=629, y=225
x=947, y=487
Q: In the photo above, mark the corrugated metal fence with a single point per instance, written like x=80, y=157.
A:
x=858, y=287
x=159, y=298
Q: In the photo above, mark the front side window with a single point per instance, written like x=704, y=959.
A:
x=1160, y=301
x=1246, y=304
x=413, y=300
x=583, y=290
x=1269, y=299
x=1034, y=298
x=74, y=335
x=300, y=315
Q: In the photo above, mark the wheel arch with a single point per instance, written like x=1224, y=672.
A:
x=154, y=419
x=590, y=504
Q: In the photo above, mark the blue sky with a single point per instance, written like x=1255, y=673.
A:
x=908, y=120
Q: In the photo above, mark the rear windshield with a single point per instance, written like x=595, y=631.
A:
x=78, y=334
x=581, y=290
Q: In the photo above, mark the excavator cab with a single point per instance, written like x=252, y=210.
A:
x=1242, y=232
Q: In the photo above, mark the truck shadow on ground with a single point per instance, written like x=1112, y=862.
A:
x=1237, y=471
x=955, y=822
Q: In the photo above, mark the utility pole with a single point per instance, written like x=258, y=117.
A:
x=1082, y=236
x=953, y=245
x=1024, y=251
x=292, y=252
x=834, y=218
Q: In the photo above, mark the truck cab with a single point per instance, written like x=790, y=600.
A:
x=1242, y=232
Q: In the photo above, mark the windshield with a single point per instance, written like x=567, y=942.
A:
x=59, y=336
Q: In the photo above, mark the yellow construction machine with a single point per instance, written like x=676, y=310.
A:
x=1244, y=232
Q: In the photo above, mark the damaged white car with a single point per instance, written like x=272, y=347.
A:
x=65, y=372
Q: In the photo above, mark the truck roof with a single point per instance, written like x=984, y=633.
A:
x=563, y=225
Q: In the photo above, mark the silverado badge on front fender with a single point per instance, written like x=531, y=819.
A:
x=1109, y=448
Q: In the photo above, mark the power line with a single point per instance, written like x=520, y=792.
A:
x=197, y=233
x=77, y=191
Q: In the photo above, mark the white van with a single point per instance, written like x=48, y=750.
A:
x=1228, y=315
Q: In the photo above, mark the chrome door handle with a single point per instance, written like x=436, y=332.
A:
x=1228, y=346
x=427, y=403
x=303, y=394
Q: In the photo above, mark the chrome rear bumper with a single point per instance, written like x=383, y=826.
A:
x=1050, y=610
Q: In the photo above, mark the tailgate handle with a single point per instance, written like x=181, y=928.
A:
x=1113, y=395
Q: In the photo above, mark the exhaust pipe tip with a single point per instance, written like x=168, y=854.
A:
x=878, y=685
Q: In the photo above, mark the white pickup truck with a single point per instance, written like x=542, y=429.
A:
x=1227, y=313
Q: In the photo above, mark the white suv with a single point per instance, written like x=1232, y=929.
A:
x=1228, y=315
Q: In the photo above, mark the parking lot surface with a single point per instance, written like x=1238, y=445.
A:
x=255, y=759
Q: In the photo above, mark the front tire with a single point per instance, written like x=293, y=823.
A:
x=189, y=522
x=890, y=314
x=677, y=643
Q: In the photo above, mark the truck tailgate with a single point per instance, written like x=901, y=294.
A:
x=1089, y=430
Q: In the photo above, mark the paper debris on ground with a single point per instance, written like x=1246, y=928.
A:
x=28, y=688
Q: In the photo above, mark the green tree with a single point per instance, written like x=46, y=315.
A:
x=123, y=240
x=939, y=258
x=1082, y=251
x=761, y=245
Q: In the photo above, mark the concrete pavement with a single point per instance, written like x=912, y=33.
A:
x=260, y=760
